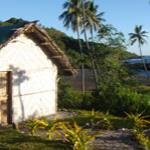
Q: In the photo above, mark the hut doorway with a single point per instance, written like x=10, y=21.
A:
x=5, y=97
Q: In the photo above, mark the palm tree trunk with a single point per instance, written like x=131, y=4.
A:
x=94, y=56
x=144, y=64
x=82, y=64
x=88, y=47
x=92, y=59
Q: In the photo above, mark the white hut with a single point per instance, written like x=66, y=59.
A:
x=30, y=62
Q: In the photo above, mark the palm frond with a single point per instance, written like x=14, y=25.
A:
x=139, y=35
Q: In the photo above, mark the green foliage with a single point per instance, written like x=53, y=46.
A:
x=13, y=21
x=73, y=99
x=142, y=139
x=111, y=79
x=73, y=134
x=128, y=100
x=76, y=136
x=139, y=36
x=57, y=36
x=115, y=89
x=35, y=124
x=138, y=121
x=111, y=36
x=5, y=24
x=100, y=121
x=122, y=99
x=68, y=97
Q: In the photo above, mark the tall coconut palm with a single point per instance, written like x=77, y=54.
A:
x=72, y=18
x=139, y=36
x=91, y=21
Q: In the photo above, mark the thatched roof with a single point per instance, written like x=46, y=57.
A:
x=42, y=39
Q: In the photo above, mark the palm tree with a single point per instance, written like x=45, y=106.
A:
x=72, y=18
x=139, y=36
x=82, y=14
x=91, y=21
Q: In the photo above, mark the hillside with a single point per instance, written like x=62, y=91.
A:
x=70, y=46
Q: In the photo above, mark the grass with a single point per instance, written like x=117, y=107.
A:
x=83, y=117
x=11, y=139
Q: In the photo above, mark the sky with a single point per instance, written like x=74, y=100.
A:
x=122, y=14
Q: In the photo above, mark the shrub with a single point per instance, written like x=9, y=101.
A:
x=127, y=100
x=68, y=97
x=73, y=134
x=138, y=121
x=76, y=136
x=142, y=139
x=35, y=124
x=121, y=99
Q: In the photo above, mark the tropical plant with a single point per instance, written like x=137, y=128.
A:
x=139, y=36
x=35, y=124
x=100, y=121
x=51, y=128
x=76, y=136
x=91, y=21
x=72, y=18
x=111, y=36
x=142, y=139
x=138, y=121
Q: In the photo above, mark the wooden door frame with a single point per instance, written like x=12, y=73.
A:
x=9, y=98
x=8, y=76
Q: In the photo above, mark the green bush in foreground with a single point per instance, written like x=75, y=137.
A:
x=35, y=124
x=139, y=123
x=76, y=136
x=73, y=134
x=142, y=139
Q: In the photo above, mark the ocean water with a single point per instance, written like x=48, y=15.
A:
x=138, y=60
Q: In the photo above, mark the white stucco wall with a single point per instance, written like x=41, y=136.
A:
x=34, y=78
